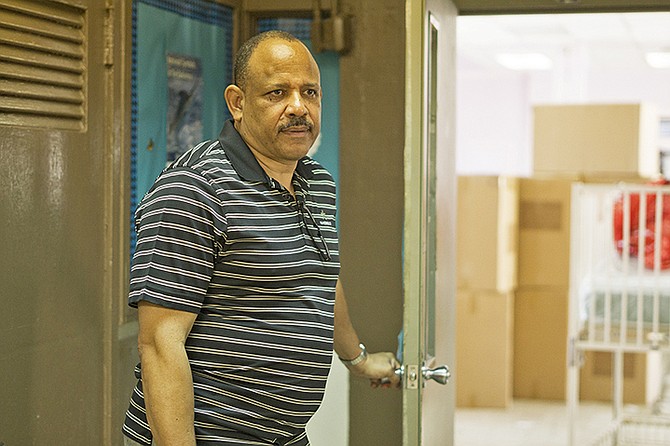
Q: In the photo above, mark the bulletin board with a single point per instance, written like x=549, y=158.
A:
x=181, y=64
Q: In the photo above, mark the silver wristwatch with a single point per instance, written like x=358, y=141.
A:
x=358, y=359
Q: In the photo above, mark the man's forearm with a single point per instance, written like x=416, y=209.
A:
x=375, y=366
x=345, y=339
x=168, y=391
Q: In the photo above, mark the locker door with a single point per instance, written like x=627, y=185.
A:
x=56, y=166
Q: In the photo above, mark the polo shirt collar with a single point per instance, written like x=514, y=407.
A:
x=243, y=160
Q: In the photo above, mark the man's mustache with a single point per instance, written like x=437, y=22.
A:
x=297, y=121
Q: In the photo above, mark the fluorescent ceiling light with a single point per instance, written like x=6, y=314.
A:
x=524, y=61
x=658, y=59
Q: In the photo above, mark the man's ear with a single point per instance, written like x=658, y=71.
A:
x=234, y=97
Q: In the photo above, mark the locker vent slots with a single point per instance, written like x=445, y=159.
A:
x=42, y=65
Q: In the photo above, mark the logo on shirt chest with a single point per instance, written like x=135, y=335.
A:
x=324, y=220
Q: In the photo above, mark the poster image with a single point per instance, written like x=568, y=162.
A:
x=184, y=112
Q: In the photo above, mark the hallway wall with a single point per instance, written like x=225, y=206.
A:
x=371, y=202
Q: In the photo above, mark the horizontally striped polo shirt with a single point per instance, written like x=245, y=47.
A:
x=219, y=238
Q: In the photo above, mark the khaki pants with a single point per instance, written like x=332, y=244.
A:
x=129, y=442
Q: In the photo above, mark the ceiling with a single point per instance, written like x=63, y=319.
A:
x=606, y=40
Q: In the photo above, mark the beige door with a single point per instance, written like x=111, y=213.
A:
x=429, y=229
x=61, y=221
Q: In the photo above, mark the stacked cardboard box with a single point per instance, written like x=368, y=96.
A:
x=612, y=141
x=513, y=256
x=596, y=377
x=588, y=143
x=541, y=305
x=486, y=277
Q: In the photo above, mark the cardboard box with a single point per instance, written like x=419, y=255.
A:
x=540, y=346
x=487, y=228
x=484, y=348
x=544, y=228
x=596, y=378
x=542, y=299
x=544, y=232
x=540, y=339
x=611, y=140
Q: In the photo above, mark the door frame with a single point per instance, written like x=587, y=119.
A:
x=412, y=270
x=118, y=330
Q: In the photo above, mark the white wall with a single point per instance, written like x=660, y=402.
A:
x=492, y=124
x=330, y=425
x=494, y=107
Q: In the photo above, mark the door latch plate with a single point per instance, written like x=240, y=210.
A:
x=412, y=377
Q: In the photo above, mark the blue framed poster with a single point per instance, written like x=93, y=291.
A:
x=181, y=64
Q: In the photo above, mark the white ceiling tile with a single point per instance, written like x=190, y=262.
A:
x=474, y=31
x=598, y=25
x=614, y=41
x=649, y=28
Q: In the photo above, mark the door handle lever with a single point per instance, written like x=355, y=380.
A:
x=439, y=374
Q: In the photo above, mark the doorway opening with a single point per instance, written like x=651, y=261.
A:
x=507, y=65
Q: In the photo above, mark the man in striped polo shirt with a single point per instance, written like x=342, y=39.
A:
x=235, y=274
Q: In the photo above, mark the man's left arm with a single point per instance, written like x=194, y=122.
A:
x=375, y=366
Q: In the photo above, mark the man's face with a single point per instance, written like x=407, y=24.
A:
x=280, y=113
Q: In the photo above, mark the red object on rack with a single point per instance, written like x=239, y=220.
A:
x=648, y=230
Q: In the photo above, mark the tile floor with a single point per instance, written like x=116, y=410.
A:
x=530, y=423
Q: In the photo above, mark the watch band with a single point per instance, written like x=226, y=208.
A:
x=358, y=359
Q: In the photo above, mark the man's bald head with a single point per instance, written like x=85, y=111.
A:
x=241, y=66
